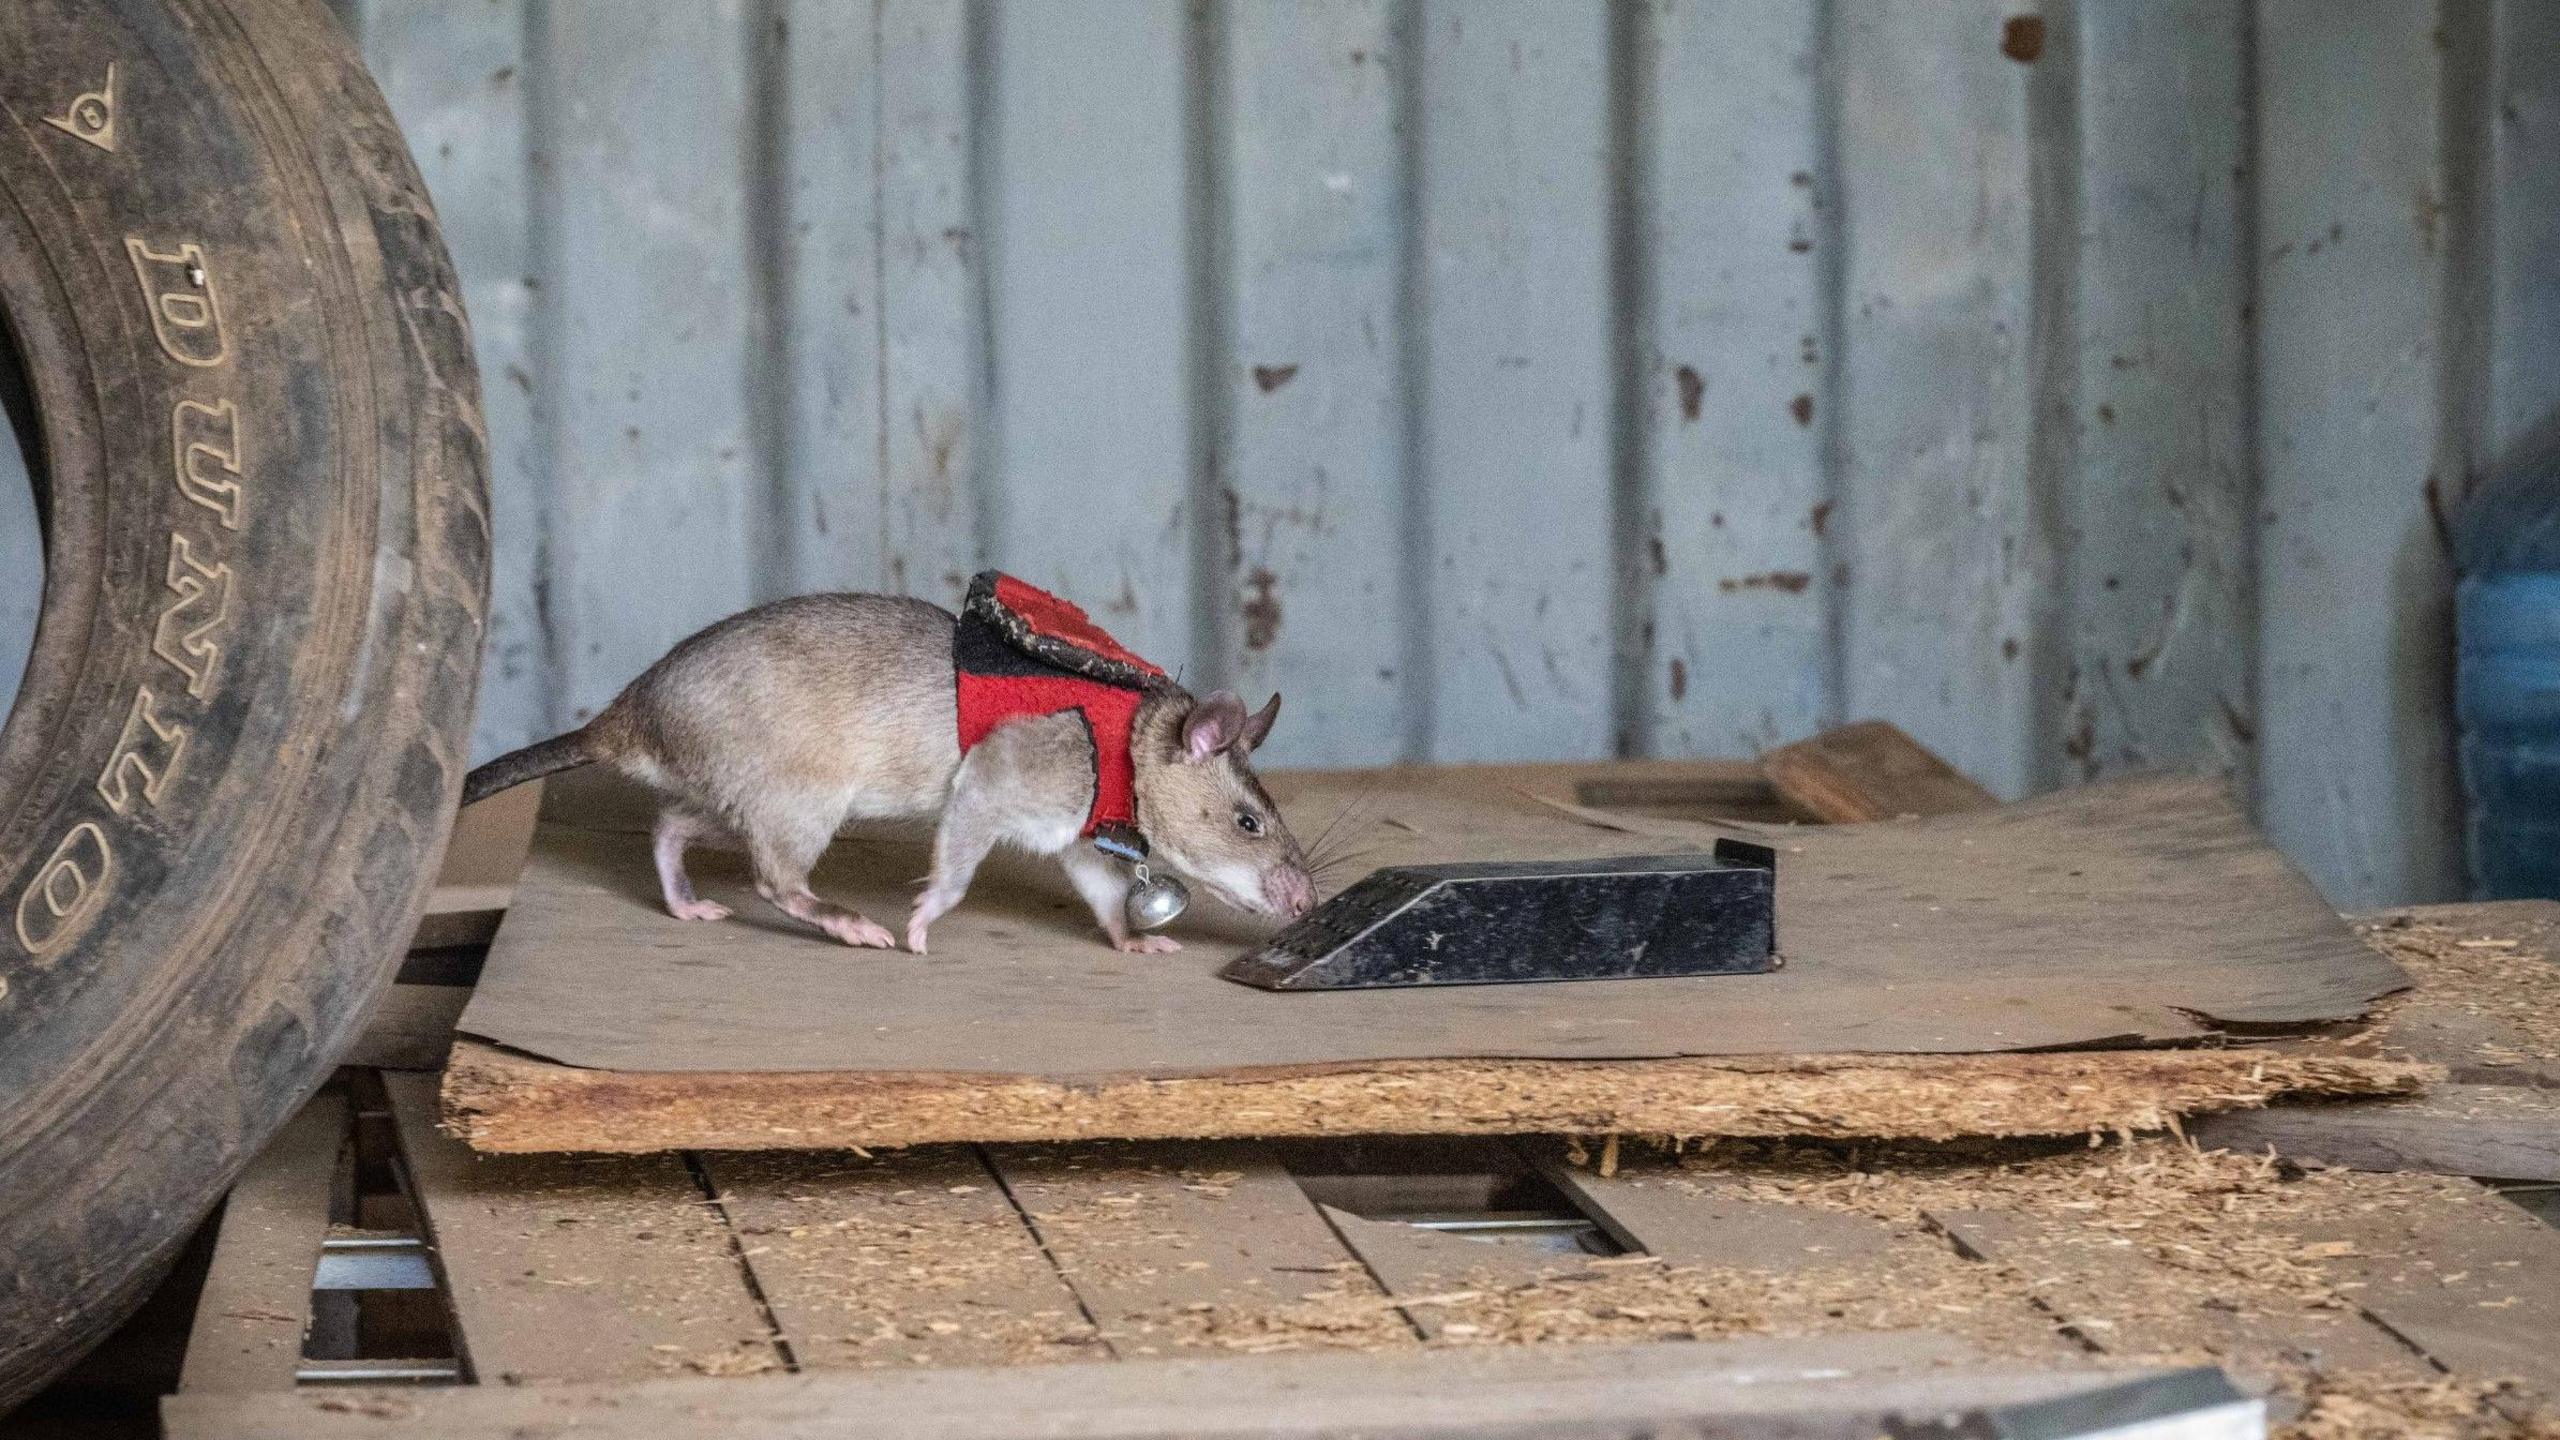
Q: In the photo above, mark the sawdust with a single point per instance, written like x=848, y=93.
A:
x=1214, y=1251
x=2427, y=1410
x=2487, y=1001
x=503, y=1102
x=909, y=1259
x=2210, y=1257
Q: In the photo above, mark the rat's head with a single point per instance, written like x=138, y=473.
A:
x=1204, y=812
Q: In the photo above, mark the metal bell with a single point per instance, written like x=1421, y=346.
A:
x=1155, y=899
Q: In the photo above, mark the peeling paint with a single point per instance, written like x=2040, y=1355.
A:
x=2022, y=38
x=1792, y=582
x=1261, y=610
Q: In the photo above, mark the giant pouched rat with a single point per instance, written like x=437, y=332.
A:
x=774, y=727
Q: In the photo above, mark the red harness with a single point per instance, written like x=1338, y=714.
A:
x=1021, y=652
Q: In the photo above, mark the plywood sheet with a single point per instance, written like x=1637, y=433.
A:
x=1811, y=1387
x=501, y=1101
x=561, y=1268
x=916, y=1257
x=2136, y=912
x=256, y=1304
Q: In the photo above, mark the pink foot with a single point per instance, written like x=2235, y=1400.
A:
x=854, y=930
x=699, y=910
x=1147, y=945
x=916, y=926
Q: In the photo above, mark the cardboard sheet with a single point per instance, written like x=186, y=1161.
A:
x=2138, y=912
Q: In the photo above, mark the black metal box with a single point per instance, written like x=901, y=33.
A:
x=1510, y=922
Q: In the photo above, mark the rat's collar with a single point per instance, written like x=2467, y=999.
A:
x=1021, y=652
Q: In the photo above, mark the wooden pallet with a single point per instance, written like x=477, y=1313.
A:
x=1300, y=1287
x=655, y=1285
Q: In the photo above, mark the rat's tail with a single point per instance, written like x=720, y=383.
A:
x=560, y=752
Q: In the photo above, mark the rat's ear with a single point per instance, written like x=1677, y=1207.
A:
x=1216, y=721
x=1258, y=724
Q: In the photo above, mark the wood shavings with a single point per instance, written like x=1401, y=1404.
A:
x=502, y=1102
x=2485, y=1002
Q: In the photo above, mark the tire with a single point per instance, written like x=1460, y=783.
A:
x=244, y=720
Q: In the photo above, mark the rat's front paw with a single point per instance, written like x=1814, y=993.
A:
x=854, y=930
x=699, y=910
x=916, y=926
x=1147, y=945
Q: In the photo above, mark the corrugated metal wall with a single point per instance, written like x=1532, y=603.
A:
x=2080, y=386
x=1502, y=379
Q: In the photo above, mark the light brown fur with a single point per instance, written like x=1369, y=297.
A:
x=772, y=728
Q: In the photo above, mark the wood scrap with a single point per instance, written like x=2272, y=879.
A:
x=2486, y=1004
x=2142, y=912
x=255, y=1307
x=1829, y=1388
x=1870, y=770
x=2487, y=1009
x=2118, y=1295
x=1726, y=1264
x=564, y=1268
x=2505, y=1132
x=2164, y=1253
x=1195, y=1247
x=912, y=1258
x=504, y=1102
x=2455, y=1271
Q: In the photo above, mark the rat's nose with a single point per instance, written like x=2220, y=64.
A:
x=1292, y=892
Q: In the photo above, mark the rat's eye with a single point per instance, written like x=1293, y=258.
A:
x=1248, y=822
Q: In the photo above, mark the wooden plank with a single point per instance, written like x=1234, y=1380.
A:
x=504, y=1102
x=1442, y=1280
x=1795, y=1260
x=2505, y=1132
x=256, y=1304
x=464, y=89
x=1517, y=381
x=1697, y=1221
x=652, y=450
x=2078, y=917
x=2146, y=364
x=1087, y=259
x=1811, y=1389
x=935, y=473
x=1870, y=771
x=1309, y=552
x=1195, y=1246
x=410, y=1028
x=1736, y=234
x=2472, y=1281
x=2487, y=1002
x=910, y=1258
x=562, y=1269
x=2106, y=1287
x=1948, y=554
x=2356, y=778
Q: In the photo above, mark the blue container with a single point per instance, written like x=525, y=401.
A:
x=2507, y=694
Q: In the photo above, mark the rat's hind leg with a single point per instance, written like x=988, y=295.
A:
x=782, y=859
x=678, y=828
